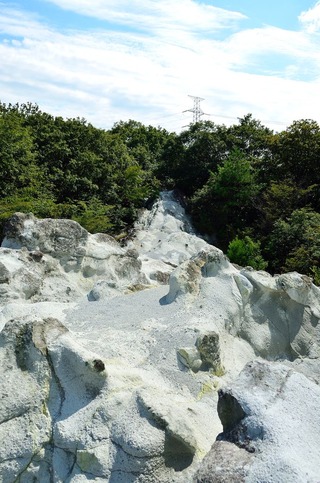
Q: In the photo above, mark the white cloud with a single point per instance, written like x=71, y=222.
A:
x=310, y=19
x=270, y=39
x=158, y=15
x=106, y=76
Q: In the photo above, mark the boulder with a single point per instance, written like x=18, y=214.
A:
x=185, y=280
x=190, y=358
x=62, y=238
x=225, y=463
x=209, y=349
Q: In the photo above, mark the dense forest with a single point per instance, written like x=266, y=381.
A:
x=253, y=192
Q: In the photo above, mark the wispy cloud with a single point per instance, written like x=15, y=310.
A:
x=147, y=71
x=155, y=15
x=18, y=23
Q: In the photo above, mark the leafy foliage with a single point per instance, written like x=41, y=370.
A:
x=223, y=203
x=298, y=152
x=255, y=192
x=245, y=252
x=70, y=166
x=204, y=147
x=16, y=152
x=295, y=242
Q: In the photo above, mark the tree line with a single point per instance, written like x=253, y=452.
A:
x=252, y=192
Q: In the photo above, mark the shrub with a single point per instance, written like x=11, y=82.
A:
x=245, y=251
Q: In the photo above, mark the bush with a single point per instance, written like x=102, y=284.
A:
x=245, y=252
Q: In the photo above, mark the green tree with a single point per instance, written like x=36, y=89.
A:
x=297, y=152
x=224, y=202
x=145, y=143
x=93, y=215
x=58, y=167
x=204, y=149
x=16, y=152
x=250, y=137
x=294, y=243
x=170, y=167
x=278, y=201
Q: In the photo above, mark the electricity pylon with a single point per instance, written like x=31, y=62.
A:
x=196, y=110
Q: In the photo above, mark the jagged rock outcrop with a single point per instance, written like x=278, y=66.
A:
x=197, y=371
x=64, y=239
x=206, y=354
x=279, y=316
x=186, y=279
x=164, y=237
x=58, y=260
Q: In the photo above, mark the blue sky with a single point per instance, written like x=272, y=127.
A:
x=112, y=60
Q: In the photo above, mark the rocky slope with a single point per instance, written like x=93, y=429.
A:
x=158, y=362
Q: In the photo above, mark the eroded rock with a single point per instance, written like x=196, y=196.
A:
x=261, y=413
x=107, y=395
x=186, y=279
x=190, y=358
x=279, y=315
x=47, y=377
x=59, y=260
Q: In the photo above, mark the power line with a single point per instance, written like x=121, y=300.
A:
x=197, y=113
x=261, y=120
x=196, y=110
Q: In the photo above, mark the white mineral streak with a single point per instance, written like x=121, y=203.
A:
x=156, y=363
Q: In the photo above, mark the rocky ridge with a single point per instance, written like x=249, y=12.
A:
x=158, y=362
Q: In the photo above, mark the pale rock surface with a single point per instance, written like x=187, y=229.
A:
x=267, y=413
x=165, y=238
x=59, y=260
x=280, y=315
x=109, y=374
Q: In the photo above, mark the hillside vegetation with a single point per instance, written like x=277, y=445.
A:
x=254, y=192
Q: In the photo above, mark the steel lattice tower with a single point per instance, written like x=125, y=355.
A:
x=196, y=110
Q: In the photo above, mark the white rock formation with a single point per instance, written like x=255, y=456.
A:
x=59, y=260
x=110, y=374
x=165, y=238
